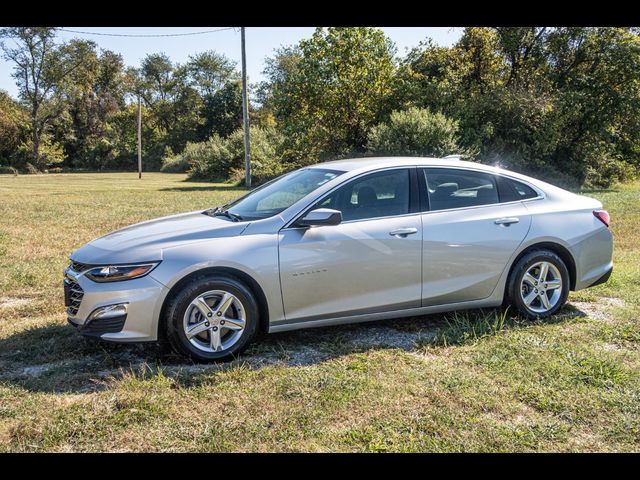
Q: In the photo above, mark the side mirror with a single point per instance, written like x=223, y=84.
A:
x=320, y=216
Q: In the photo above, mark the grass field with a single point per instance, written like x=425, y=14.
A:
x=474, y=381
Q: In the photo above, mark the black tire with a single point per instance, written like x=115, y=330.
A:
x=177, y=306
x=520, y=269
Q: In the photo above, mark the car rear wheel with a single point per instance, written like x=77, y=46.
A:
x=539, y=284
x=212, y=318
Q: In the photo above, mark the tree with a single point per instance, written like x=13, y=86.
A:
x=13, y=123
x=272, y=94
x=40, y=68
x=524, y=51
x=222, y=110
x=92, y=94
x=209, y=72
x=174, y=107
x=554, y=102
x=214, y=77
x=157, y=81
x=330, y=90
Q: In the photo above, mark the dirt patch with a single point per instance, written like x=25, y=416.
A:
x=7, y=302
x=37, y=370
x=599, y=310
x=305, y=347
x=390, y=337
x=612, y=347
x=313, y=346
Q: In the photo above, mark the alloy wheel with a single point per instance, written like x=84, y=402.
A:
x=541, y=287
x=214, y=321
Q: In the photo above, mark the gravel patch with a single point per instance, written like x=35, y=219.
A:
x=37, y=370
x=599, y=310
x=7, y=302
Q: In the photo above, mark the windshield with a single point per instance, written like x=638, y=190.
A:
x=279, y=194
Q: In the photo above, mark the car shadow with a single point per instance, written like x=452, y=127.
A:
x=211, y=188
x=56, y=359
x=588, y=191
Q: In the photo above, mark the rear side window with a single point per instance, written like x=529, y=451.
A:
x=453, y=188
x=512, y=190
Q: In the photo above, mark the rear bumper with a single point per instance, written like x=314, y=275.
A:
x=593, y=256
x=603, y=278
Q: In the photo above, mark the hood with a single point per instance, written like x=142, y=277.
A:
x=144, y=241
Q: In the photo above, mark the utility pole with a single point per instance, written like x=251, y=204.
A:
x=245, y=114
x=139, y=138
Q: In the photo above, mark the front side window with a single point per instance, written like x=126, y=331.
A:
x=453, y=188
x=380, y=194
x=278, y=195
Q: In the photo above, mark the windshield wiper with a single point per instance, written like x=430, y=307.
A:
x=219, y=212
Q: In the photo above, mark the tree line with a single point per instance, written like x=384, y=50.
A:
x=560, y=103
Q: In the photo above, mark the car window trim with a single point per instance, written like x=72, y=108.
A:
x=413, y=199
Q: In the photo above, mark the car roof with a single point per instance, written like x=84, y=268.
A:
x=365, y=164
x=372, y=163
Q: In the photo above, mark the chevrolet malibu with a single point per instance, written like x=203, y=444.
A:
x=340, y=242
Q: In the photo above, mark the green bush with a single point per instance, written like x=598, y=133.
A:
x=31, y=170
x=265, y=161
x=172, y=163
x=218, y=158
x=51, y=154
x=208, y=160
x=175, y=164
x=8, y=170
x=607, y=171
x=416, y=131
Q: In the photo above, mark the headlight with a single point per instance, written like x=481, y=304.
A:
x=117, y=273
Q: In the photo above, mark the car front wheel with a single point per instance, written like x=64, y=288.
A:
x=212, y=318
x=539, y=284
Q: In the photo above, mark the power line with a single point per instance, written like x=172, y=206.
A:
x=146, y=35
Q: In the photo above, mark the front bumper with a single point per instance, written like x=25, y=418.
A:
x=142, y=296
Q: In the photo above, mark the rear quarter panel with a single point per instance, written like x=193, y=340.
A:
x=569, y=221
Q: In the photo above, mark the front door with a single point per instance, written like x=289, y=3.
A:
x=371, y=262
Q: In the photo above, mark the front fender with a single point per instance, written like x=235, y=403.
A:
x=259, y=251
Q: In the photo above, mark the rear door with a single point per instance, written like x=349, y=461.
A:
x=468, y=234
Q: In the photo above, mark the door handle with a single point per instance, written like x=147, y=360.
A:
x=506, y=221
x=403, y=232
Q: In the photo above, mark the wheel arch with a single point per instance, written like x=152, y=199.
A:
x=250, y=282
x=558, y=249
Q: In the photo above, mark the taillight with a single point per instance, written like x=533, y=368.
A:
x=602, y=215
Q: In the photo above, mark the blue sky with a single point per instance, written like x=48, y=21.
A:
x=261, y=42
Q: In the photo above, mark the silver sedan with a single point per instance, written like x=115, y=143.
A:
x=339, y=242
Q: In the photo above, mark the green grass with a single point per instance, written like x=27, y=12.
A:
x=470, y=381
